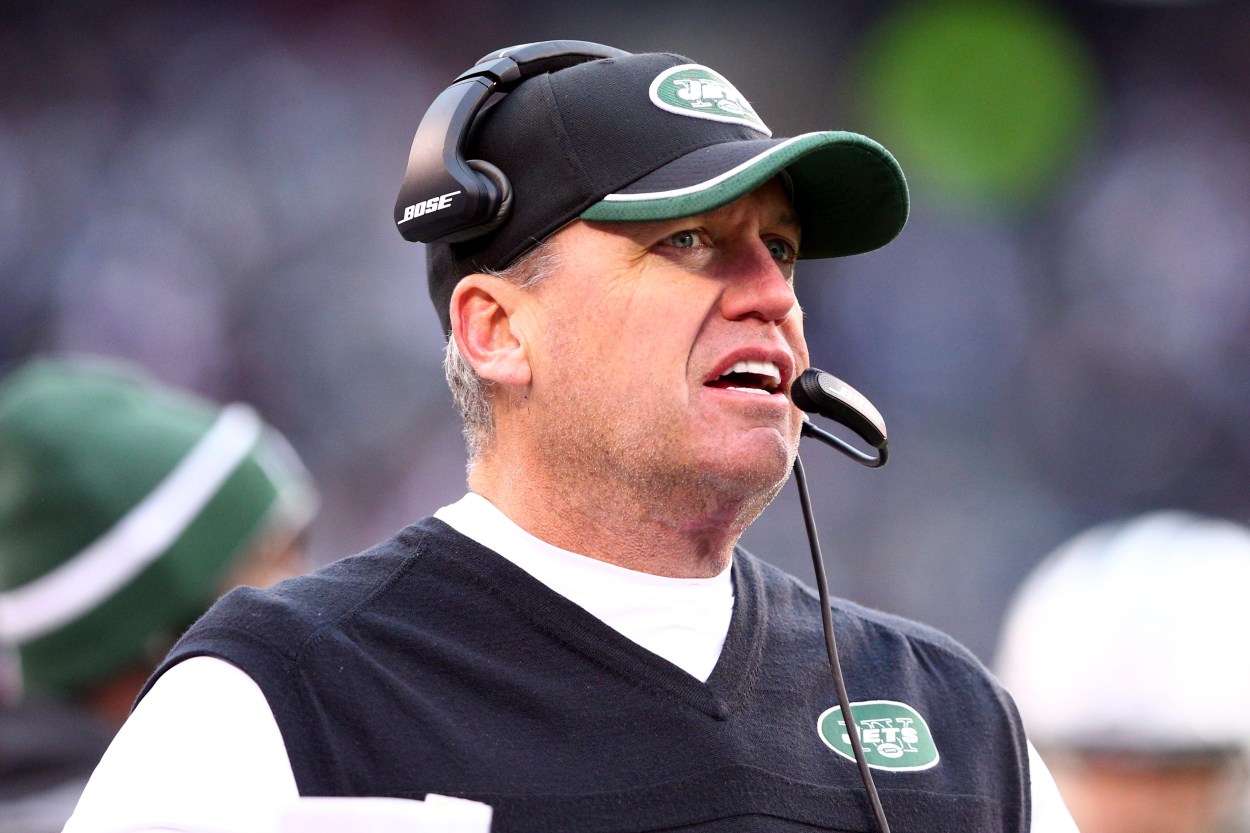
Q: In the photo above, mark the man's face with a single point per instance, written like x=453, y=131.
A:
x=662, y=353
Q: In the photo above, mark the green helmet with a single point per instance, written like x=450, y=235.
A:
x=123, y=505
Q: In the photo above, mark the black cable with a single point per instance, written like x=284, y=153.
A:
x=831, y=647
x=883, y=453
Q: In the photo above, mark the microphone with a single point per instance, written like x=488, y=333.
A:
x=818, y=392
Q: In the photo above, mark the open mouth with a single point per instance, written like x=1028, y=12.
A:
x=763, y=378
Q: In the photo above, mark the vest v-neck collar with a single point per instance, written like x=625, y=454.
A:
x=578, y=629
x=684, y=620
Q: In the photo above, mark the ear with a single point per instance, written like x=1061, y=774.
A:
x=482, y=323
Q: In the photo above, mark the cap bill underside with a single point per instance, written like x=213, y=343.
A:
x=849, y=191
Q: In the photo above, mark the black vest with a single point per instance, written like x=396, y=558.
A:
x=432, y=664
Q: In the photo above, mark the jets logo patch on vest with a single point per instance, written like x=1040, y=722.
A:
x=697, y=91
x=893, y=734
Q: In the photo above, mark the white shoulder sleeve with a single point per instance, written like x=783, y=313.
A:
x=1050, y=814
x=201, y=751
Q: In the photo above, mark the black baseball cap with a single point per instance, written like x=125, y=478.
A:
x=655, y=136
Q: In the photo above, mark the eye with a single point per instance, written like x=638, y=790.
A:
x=781, y=250
x=686, y=239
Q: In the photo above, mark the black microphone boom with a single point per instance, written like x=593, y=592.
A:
x=818, y=392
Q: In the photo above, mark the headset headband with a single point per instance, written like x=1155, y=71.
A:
x=445, y=197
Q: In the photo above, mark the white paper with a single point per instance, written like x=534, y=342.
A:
x=436, y=814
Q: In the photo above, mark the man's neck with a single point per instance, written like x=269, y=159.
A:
x=683, y=535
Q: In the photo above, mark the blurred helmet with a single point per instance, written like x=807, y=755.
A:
x=124, y=505
x=1131, y=638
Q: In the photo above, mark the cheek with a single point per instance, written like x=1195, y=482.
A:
x=639, y=334
x=794, y=335
x=663, y=335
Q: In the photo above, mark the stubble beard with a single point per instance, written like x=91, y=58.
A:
x=650, y=471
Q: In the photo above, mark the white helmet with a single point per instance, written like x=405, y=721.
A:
x=1135, y=636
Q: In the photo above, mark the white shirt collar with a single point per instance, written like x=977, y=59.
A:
x=684, y=620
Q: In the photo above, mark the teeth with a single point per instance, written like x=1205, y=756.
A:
x=760, y=369
x=759, y=391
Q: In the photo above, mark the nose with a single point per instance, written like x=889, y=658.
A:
x=758, y=288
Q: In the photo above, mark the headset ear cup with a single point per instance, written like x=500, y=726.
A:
x=502, y=187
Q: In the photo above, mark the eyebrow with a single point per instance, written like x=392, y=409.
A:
x=790, y=217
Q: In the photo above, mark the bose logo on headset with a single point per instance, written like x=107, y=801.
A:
x=431, y=205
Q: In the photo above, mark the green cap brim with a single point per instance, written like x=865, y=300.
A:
x=849, y=191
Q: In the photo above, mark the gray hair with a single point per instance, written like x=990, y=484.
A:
x=473, y=395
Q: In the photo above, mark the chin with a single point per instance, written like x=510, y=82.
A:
x=752, y=469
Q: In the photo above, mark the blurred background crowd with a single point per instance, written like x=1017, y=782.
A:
x=1060, y=335
x=1058, y=340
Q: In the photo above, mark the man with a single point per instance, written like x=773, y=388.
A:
x=126, y=509
x=1124, y=649
x=577, y=642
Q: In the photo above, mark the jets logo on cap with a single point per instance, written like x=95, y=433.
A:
x=694, y=90
x=893, y=734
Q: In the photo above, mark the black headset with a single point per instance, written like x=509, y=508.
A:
x=446, y=198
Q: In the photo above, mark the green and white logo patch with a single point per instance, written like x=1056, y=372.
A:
x=694, y=90
x=893, y=734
